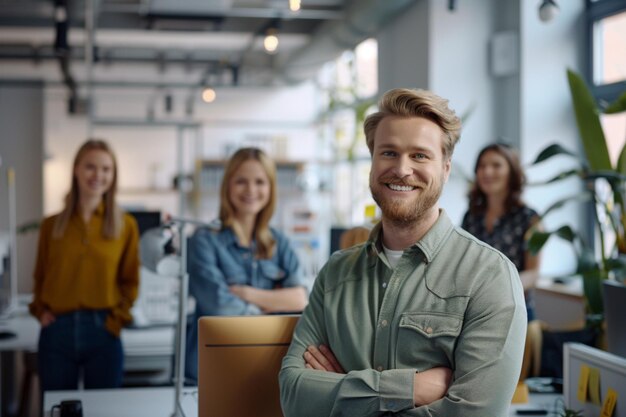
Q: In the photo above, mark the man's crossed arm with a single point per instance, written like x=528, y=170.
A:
x=428, y=386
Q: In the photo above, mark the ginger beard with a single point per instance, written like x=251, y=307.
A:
x=405, y=211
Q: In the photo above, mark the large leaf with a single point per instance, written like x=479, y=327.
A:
x=560, y=176
x=610, y=176
x=580, y=197
x=539, y=238
x=588, y=122
x=587, y=262
x=617, y=106
x=592, y=287
x=553, y=150
x=621, y=161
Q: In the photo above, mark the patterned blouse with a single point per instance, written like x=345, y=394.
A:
x=508, y=236
x=508, y=232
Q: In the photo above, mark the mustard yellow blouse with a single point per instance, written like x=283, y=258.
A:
x=84, y=270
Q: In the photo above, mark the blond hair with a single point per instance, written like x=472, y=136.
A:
x=264, y=240
x=112, y=225
x=403, y=102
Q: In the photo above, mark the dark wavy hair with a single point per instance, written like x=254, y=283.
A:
x=517, y=180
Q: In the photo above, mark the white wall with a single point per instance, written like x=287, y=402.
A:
x=21, y=149
x=547, y=49
x=147, y=154
x=529, y=108
x=459, y=72
x=404, y=50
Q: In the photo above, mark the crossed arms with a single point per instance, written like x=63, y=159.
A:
x=484, y=365
x=428, y=386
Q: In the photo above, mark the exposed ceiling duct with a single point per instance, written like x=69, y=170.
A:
x=363, y=19
x=199, y=37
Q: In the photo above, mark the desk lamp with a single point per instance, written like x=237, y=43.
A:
x=155, y=258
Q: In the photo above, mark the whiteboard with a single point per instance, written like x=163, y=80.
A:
x=612, y=375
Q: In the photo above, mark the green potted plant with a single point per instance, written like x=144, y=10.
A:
x=609, y=207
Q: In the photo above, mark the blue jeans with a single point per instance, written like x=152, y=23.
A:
x=78, y=342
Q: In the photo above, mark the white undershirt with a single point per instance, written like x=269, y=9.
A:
x=393, y=256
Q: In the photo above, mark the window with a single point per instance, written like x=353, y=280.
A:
x=609, y=38
x=606, y=23
x=348, y=88
x=607, y=64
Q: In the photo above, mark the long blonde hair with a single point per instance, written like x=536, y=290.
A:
x=264, y=240
x=112, y=224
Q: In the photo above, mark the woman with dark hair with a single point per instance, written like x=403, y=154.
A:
x=498, y=216
x=86, y=278
x=240, y=265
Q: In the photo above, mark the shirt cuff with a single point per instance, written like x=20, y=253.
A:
x=396, y=390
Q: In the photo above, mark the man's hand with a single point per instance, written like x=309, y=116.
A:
x=322, y=359
x=431, y=385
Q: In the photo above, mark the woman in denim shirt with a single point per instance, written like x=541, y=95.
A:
x=239, y=265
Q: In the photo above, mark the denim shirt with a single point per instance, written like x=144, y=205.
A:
x=216, y=260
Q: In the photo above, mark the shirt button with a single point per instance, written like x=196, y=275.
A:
x=379, y=368
x=384, y=285
x=384, y=323
x=429, y=330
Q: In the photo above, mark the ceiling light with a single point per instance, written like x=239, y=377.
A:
x=208, y=95
x=294, y=5
x=271, y=41
x=548, y=10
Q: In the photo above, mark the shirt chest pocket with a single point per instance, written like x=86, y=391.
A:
x=427, y=339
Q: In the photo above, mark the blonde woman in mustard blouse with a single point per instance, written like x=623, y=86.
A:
x=86, y=278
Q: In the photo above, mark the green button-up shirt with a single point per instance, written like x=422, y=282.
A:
x=451, y=301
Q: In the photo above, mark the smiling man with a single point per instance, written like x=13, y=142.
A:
x=422, y=319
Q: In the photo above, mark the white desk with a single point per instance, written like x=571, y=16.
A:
x=147, y=354
x=158, y=402
x=125, y=402
x=552, y=403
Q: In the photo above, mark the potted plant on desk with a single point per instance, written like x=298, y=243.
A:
x=605, y=187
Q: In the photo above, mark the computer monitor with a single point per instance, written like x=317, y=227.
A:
x=146, y=219
x=614, y=296
x=335, y=238
x=238, y=363
x=611, y=374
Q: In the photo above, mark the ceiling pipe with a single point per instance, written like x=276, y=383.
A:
x=62, y=51
x=90, y=45
x=363, y=19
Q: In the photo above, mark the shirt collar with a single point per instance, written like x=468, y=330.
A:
x=100, y=209
x=430, y=244
x=98, y=212
x=436, y=237
x=229, y=238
